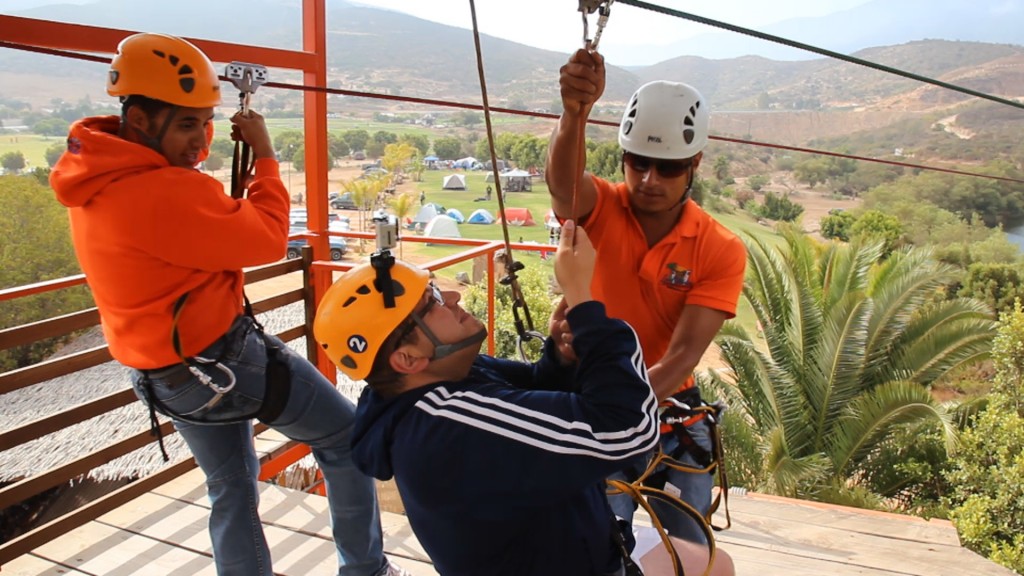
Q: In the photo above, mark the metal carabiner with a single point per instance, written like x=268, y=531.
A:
x=604, y=9
x=207, y=380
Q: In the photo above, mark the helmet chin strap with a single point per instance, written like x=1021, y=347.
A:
x=442, y=350
x=153, y=142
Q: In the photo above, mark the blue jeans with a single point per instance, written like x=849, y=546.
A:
x=694, y=489
x=315, y=414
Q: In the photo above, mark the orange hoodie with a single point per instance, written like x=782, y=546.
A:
x=146, y=232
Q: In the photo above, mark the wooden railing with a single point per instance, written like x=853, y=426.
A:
x=42, y=480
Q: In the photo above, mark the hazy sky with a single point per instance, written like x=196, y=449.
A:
x=557, y=25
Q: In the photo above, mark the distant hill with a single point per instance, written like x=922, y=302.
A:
x=876, y=23
x=384, y=51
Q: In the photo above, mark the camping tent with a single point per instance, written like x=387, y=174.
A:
x=516, y=181
x=454, y=214
x=480, y=216
x=442, y=227
x=519, y=217
x=467, y=163
x=550, y=220
x=427, y=213
x=454, y=182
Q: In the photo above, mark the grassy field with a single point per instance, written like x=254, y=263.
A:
x=32, y=146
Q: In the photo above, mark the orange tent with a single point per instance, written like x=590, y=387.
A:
x=518, y=217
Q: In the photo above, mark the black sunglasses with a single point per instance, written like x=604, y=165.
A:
x=665, y=168
x=432, y=297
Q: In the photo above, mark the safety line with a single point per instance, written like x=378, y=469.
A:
x=816, y=50
x=468, y=106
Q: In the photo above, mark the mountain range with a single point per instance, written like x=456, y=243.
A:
x=384, y=51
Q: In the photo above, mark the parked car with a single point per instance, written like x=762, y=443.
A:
x=338, y=245
x=343, y=201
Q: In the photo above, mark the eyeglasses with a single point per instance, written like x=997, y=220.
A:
x=433, y=296
x=665, y=168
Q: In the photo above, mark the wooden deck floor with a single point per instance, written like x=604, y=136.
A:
x=164, y=533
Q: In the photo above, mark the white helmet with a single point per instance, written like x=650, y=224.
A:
x=667, y=120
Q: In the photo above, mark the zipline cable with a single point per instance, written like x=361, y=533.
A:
x=510, y=111
x=816, y=50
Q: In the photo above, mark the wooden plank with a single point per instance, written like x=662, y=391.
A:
x=31, y=565
x=296, y=526
x=867, y=521
x=100, y=549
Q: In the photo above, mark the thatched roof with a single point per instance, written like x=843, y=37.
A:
x=47, y=398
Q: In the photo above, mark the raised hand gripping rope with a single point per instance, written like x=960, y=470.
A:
x=247, y=78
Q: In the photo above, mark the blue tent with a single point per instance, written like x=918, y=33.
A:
x=454, y=214
x=480, y=216
x=431, y=159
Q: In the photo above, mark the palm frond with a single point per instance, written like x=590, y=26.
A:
x=873, y=414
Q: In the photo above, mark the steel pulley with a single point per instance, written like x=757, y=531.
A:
x=246, y=78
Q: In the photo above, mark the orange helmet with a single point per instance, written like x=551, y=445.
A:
x=164, y=68
x=352, y=323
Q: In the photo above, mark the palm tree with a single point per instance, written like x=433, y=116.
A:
x=402, y=205
x=851, y=345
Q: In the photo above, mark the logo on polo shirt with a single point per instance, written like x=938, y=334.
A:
x=676, y=278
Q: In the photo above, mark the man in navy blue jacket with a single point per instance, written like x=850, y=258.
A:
x=500, y=464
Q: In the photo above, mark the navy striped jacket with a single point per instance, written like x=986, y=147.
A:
x=503, y=472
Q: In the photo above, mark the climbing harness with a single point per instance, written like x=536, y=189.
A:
x=219, y=378
x=246, y=78
x=520, y=310
x=650, y=484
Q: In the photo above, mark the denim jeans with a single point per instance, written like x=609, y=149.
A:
x=315, y=414
x=694, y=489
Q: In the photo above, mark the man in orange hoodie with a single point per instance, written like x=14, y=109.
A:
x=163, y=247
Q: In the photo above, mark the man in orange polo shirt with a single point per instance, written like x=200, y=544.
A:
x=663, y=264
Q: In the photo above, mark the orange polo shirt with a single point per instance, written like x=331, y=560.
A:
x=698, y=262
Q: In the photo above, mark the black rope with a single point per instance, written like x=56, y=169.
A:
x=816, y=50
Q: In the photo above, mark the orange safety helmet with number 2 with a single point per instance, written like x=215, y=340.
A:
x=352, y=322
x=164, y=68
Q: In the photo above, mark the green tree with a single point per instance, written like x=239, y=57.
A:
x=837, y=224
x=851, y=344
x=812, y=171
x=356, y=139
x=758, y=181
x=418, y=141
x=54, y=152
x=13, y=161
x=721, y=169
x=876, y=225
x=448, y=148
x=337, y=145
x=468, y=118
x=605, y=160
x=225, y=147
x=529, y=152
x=288, y=144
x=998, y=285
x=535, y=284
x=299, y=158
x=213, y=162
x=37, y=247
x=53, y=126
x=988, y=478
x=780, y=207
